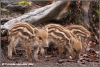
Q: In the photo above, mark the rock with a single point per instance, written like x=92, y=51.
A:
x=17, y=8
x=3, y=10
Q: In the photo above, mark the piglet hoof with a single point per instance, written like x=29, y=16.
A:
x=10, y=58
x=36, y=60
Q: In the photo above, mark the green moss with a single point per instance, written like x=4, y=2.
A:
x=24, y=2
x=79, y=20
x=2, y=6
x=98, y=12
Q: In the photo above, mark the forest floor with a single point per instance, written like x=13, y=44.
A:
x=20, y=58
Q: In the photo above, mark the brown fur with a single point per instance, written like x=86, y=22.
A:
x=64, y=39
x=81, y=33
x=29, y=36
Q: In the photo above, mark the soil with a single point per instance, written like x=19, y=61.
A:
x=47, y=60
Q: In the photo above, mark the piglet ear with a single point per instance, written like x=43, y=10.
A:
x=36, y=31
x=45, y=28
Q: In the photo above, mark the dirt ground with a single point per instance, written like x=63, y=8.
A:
x=20, y=58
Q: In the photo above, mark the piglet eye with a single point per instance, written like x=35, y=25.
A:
x=40, y=38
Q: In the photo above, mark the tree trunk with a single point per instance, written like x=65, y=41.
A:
x=85, y=9
x=39, y=15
